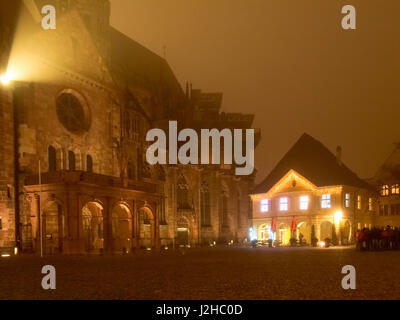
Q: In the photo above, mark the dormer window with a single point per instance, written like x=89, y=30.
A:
x=385, y=190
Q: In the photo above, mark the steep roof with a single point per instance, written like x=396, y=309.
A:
x=137, y=65
x=314, y=161
x=389, y=172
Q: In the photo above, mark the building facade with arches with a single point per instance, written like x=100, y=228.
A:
x=80, y=119
x=311, y=191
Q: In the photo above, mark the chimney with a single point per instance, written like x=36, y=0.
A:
x=339, y=155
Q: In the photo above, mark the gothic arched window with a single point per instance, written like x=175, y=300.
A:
x=131, y=171
x=89, y=164
x=71, y=161
x=224, y=209
x=52, y=159
x=205, y=205
x=183, y=194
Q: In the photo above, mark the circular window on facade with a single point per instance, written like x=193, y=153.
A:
x=72, y=114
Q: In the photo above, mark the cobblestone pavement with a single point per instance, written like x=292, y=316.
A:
x=212, y=273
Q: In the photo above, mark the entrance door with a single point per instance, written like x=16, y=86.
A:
x=183, y=236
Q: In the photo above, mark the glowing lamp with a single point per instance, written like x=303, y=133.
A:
x=5, y=79
x=338, y=216
x=322, y=244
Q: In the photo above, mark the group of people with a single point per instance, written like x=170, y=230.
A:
x=386, y=238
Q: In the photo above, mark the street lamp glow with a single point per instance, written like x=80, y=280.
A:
x=5, y=79
x=338, y=216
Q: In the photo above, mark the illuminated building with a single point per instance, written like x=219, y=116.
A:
x=309, y=187
x=387, y=182
x=86, y=97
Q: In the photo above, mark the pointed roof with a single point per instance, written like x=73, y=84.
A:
x=137, y=65
x=389, y=172
x=314, y=161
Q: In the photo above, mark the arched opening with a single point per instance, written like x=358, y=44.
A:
x=146, y=228
x=131, y=171
x=92, y=222
x=182, y=232
x=205, y=205
x=89, y=164
x=345, y=233
x=121, y=225
x=52, y=159
x=263, y=232
x=325, y=231
x=304, y=232
x=52, y=229
x=223, y=208
x=183, y=194
x=71, y=161
x=284, y=234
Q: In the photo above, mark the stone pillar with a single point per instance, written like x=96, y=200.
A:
x=107, y=227
x=135, y=225
x=157, y=243
x=35, y=218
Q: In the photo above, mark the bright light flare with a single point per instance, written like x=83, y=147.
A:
x=322, y=244
x=338, y=216
x=6, y=78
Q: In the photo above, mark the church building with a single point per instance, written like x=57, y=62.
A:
x=73, y=171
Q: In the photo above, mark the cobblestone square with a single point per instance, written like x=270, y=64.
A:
x=212, y=273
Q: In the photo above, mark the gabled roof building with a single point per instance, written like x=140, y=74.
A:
x=311, y=188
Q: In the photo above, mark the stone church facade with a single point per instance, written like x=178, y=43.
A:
x=79, y=114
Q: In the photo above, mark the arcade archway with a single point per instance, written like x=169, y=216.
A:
x=93, y=226
x=52, y=228
x=146, y=228
x=304, y=229
x=284, y=234
x=325, y=231
x=121, y=227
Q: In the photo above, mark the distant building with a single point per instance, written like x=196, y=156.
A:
x=309, y=187
x=85, y=119
x=387, y=182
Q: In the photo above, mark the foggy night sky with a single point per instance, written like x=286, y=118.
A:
x=290, y=63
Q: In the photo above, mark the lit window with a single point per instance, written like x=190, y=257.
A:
x=304, y=203
x=359, y=202
x=396, y=189
x=326, y=201
x=370, y=204
x=265, y=205
x=385, y=190
x=347, y=200
x=283, y=204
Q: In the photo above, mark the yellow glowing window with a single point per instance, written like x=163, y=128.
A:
x=359, y=202
x=385, y=190
x=304, y=203
x=283, y=204
x=326, y=201
x=396, y=189
x=347, y=200
x=370, y=204
x=265, y=205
